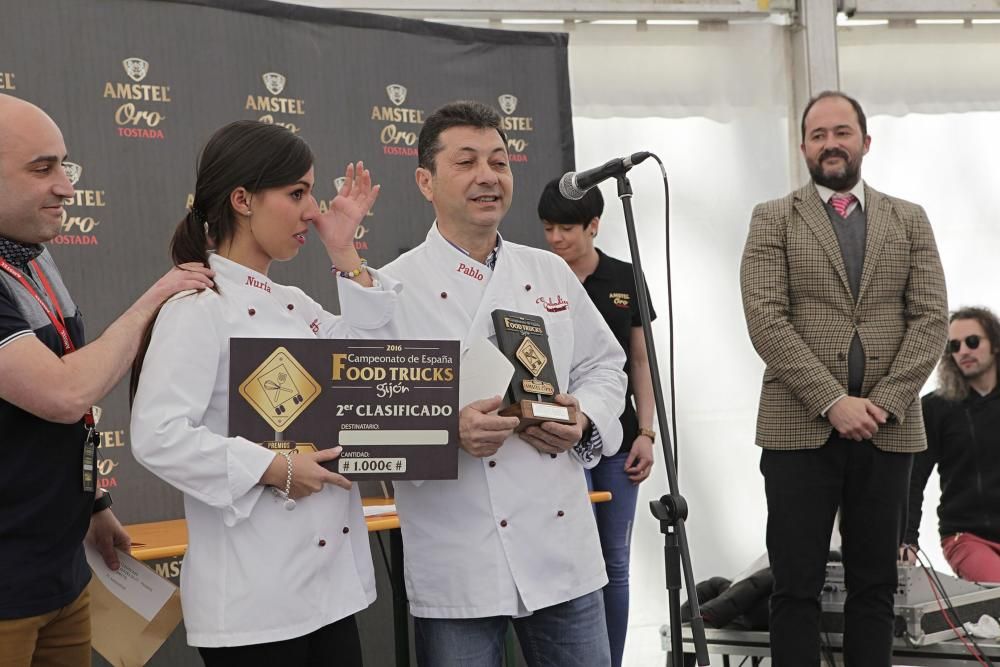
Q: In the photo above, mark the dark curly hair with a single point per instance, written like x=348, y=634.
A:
x=952, y=385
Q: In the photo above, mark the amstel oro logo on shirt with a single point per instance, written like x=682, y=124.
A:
x=512, y=125
x=280, y=390
x=277, y=109
x=399, y=125
x=7, y=81
x=620, y=299
x=140, y=114
x=81, y=212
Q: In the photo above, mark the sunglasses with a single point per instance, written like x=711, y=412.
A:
x=971, y=342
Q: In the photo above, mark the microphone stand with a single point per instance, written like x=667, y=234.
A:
x=671, y=509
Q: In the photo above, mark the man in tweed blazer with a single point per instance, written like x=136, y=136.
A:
x=845, y=302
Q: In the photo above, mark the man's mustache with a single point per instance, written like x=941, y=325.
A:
x=834, y=152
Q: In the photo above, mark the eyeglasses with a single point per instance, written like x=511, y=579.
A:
x=971, y=342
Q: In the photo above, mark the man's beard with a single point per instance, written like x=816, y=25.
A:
x=838, y=182
x=978, y=371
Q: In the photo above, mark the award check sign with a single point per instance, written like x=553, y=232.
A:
x=392, y=405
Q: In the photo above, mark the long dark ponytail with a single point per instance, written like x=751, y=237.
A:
x=248, y=154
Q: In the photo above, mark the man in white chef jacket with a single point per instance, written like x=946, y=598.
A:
x=514, y=536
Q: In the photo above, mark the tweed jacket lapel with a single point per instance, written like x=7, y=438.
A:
x=877, y=211
x=809, y=205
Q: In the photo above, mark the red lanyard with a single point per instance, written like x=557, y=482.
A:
x=55, y=317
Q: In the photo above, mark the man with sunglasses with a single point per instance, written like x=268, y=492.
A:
x=845, y=302
x=962, y=417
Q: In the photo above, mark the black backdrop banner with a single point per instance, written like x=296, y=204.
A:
x=138, y=86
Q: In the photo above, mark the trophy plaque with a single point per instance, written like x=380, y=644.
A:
x=531, y=395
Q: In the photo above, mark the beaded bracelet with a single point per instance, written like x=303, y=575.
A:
x=350, y=274
x=289, y=502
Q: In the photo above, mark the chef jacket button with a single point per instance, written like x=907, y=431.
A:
x=444, y=295
x=560, y=513
x=291, y=306
x=251, y=311
x=552, y=455
x=493, y=464
x=503, y=523
x=527, y=288
x=322, y=543
x=346, y=530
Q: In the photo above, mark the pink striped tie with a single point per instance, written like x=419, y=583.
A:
x=841, y=203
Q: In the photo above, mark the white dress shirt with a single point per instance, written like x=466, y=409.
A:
x=858, y=191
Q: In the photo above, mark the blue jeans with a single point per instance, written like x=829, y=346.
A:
x=614, y=524
x=569, y=634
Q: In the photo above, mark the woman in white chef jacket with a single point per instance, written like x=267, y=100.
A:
x=266, y=581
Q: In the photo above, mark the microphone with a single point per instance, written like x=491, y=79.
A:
x=574, y=185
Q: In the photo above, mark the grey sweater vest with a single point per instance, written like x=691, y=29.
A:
x=851, y=232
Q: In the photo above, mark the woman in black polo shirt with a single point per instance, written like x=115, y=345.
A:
x=570, y=229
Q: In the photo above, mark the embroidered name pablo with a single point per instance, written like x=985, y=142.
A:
x=470, y=271
x=259, y=284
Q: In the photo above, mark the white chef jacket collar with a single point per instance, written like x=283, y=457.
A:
x=434, y=236
x=236, y=273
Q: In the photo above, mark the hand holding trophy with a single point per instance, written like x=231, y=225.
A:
x=522, y=338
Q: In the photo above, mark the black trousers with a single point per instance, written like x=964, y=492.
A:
x=804, y=490
x=334, y=645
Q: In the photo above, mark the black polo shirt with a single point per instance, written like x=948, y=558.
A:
x=44, y=511
x=612, y=289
